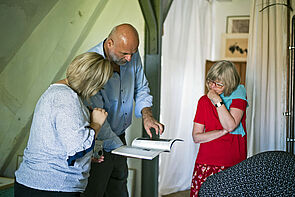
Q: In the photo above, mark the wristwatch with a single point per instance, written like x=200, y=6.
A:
x=219, y=104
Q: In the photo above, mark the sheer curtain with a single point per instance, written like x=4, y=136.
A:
x=186, y=45
x=266, y=76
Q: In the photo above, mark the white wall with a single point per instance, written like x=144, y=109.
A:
x=221, y=10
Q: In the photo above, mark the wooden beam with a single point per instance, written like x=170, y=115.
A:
x=154, y=12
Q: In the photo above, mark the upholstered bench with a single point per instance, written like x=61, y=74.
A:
x=270, y=173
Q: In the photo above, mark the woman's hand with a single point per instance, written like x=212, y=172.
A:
x=97, y=118
x=224, y=132
x=213, y=96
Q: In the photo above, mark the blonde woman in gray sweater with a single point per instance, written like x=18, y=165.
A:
x=57, y=158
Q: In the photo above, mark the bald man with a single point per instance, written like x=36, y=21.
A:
x=128, y=84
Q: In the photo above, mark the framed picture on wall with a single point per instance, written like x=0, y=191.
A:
x=237, y=24
x=234, y=47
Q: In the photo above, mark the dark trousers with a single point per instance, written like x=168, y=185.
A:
x=23, y=191
x=109, y=178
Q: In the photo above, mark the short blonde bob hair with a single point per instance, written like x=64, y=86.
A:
x=224, y=72
x=88, y=73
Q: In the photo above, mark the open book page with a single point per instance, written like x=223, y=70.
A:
x=155, y=144
x=145, y=148
x=140, y=153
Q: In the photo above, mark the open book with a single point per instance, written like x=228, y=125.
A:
x=146, y=148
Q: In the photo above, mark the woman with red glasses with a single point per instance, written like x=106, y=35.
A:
x=219, y=124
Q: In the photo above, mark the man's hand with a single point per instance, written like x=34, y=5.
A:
x=99, y=160
x=150, y=122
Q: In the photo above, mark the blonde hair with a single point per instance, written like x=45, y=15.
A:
x=88, y=73
x=226, y=73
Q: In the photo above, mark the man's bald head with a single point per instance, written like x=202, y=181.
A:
x=122, y=43
x=125, y=33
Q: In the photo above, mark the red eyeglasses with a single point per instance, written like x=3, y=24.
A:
x=217, y=84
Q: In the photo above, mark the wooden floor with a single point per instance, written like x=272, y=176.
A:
x=179, y=194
